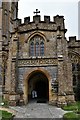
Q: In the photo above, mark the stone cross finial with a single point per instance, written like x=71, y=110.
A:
x=36, y=12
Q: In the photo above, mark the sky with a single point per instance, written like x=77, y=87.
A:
x=68, y=9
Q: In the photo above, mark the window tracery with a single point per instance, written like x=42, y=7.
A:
x=36, y=46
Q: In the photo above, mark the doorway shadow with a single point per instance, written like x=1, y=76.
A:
x=38, y=82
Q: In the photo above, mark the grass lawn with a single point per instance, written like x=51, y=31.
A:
x=72, y=107
x=4, y=115
x=75, y=108
x=71, y=116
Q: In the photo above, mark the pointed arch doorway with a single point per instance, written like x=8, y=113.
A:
x=38, y=82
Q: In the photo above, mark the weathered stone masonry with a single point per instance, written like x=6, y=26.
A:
x=53, y=62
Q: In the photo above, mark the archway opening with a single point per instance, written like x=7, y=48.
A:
x=38, y=82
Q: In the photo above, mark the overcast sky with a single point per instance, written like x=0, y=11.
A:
x=68, y=9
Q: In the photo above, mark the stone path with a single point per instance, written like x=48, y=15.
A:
x=38, y=110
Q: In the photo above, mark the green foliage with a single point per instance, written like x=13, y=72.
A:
x=75, y=108
x=71, y=107
x=4, y=115
x=71, y=116
x=6, y=103
x=78, y=104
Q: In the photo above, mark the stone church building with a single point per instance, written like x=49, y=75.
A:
x=37, y=56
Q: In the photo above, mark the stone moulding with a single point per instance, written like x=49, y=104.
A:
x=35, y=62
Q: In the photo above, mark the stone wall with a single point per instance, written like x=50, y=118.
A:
x=52, y=70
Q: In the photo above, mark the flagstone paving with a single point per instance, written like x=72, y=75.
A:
x=38, y=110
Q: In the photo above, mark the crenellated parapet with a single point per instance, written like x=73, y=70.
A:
x=73, y=42
x=57, y=19
x=38, y=24
x=17, y=22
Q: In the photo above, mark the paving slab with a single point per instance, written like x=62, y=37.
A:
x=38, y=110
